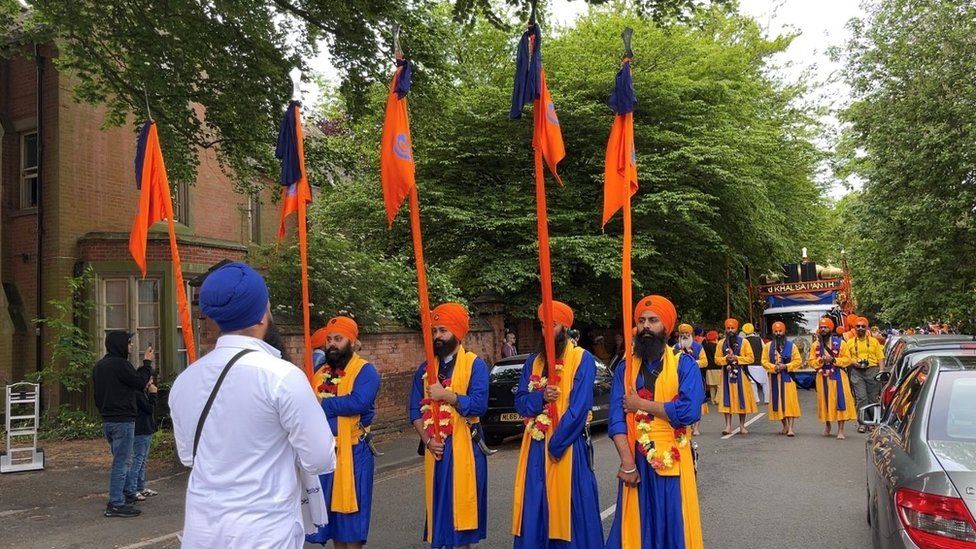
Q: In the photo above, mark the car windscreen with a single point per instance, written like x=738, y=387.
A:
x=953, y=416
x=506, y=372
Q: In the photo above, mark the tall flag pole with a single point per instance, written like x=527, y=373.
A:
x=397, y=177
x=296, y=195
x=156, y=204
x=547, y=144
x=619, y=185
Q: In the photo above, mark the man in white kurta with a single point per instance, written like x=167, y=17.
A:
x=264, y=426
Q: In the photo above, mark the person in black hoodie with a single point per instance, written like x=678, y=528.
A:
x=135, y=479
x=116, y=382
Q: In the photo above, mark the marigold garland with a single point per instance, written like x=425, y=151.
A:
x=330, y=382
x=444, y=425
x=539, y=425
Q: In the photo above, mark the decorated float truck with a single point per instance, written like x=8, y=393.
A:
x=799, y=296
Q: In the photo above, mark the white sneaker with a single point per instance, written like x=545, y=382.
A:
x=148, y=492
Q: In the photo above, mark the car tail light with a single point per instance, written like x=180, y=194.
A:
x=935, y=522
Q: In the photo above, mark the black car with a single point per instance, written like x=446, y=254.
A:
x=908, y=350
x=501, y=420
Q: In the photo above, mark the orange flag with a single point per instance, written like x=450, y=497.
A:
x=620, y=170
x=156, y=204
x=547, y=136
x=396, y=150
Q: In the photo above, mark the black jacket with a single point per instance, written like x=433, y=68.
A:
x=146, y=420
x=116, y=381
x=756, y=343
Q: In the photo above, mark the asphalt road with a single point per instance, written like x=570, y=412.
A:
x=762, y=490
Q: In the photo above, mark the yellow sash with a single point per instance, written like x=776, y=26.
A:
x=465, y=489
x=662, y=434
x=559, y=473
x=344, y=481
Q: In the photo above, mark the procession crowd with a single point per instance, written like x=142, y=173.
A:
x=277, y=461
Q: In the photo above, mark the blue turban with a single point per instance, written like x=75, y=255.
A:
x=234, y=296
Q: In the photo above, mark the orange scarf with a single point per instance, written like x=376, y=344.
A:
x=559, y=473
x=465, y=489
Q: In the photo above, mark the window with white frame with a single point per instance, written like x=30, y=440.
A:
x=131, y=304
x=28, y=170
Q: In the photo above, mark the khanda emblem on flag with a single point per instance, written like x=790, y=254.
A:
x=402, y=147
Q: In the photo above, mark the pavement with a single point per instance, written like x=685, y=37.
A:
x=761, y=490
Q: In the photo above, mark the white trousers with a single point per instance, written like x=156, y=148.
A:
x=759, y=373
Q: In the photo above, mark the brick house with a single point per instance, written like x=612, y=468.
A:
x=82, y=193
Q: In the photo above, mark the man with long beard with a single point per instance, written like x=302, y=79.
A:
x=347, y=385
x=780, y=357
x=455, y=467
x=243, y=419
x=657, y=498
x=688, y=345
x=736, y=396
x=556, y=499
x=828, y=355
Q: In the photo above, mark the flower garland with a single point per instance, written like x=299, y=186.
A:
x=656, y=457
x=733, y=373
x=539, y=425
x=444, y=425
x=330, y=381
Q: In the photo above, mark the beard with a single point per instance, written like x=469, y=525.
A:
x=338, y=358
x=685, y=342
x=444, y=349
x=561, y=342
x=273, y=337
x=649, y=345
x=862, y=333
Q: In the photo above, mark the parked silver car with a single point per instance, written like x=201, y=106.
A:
x=921, y=460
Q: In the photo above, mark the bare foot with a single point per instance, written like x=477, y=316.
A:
x=826, y=432
x=840, y=436
x=743, y=431
x=791, y=434
x=695, y=433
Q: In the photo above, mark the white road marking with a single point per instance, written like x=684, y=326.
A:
x=150, y=542
x=748, y=423
x=608, y=512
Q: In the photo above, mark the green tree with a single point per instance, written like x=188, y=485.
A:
x=911, y=231
x=724, y=153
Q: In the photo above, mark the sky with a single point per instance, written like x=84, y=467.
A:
x=820, y=24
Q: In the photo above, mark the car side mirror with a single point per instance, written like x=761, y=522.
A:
x=870, y=414
x=882, y=377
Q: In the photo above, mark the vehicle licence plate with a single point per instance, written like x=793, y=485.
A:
x=510, y=417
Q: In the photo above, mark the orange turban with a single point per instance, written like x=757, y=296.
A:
x=850, y=320
x=863, y=320
x=561, y=314
x=661, y=306
x=841, y=330
x=318, y=338
x=731, y=324
x=779, y=326
x=452, y=316
x=344, y=326
x=712, y=335
x=826, y=321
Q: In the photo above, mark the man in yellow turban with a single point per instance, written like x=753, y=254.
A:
x=455, y=467
x=556, y=499
x=650, y=414
x=347, y=385
x=736, y=396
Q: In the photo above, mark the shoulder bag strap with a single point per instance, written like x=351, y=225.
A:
x=213, y=395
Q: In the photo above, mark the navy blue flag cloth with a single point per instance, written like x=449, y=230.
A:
x=528, y=65
x=623, y=99
x=287, y=149
x=141, y=152
x=403, y=80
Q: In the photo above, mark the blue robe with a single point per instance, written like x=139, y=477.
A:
x=351, y=527
x=475, y=403
x=662, y=524
x=585, y=506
